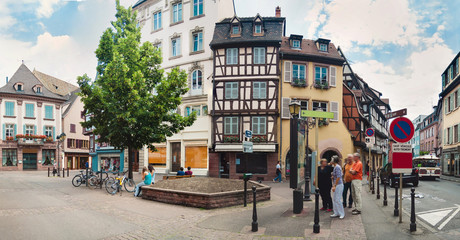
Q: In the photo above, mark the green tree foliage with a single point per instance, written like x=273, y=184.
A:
x=132, y=102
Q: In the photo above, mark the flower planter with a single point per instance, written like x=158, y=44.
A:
x=299, y=82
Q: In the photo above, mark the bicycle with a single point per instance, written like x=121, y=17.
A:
x=95, y=179
x=114, y=185
x=81, y=178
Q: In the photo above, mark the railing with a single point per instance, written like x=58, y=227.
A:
x=28, y=141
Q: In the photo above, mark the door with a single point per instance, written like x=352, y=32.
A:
x=175, y=157
x=29, y=161
x=69, y=162
x=224, y=166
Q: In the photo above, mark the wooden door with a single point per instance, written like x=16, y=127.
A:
x=175, y=156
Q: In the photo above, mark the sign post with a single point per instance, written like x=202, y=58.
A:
x=370, y=141
x=402, y=131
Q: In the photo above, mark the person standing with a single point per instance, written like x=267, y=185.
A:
x=278, y=173
x=325, y=184
x=347, y=181
x=147, y=180
x=356, y=183
x=337, y=188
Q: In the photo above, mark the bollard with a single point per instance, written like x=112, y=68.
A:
x=413, y=225
x=48, y=172
x=378, y=186
x=255, y=225
x=86, y=177
x=396, y=211
x=54, y=172
x=67, y=172
x=63, y=172
x=245, y=192
x=385, y=202
x=372, y=182
x=101, y=178
x=316, y=226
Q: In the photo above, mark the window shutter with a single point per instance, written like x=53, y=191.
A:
x=287, y=71
x=187, y=111
x=54, y=133
x=44, y=130
x=450, y=135
x=458, y=133
x=35, y=130
x=451, y=102
x=333, y=76
x=285, y=108
x=458, y=98
x=4, y=132
x=24, y=129
x=256, y=90
x=335, y=109
x=15, y=131
x=446, y=106
x=445, y=137
x=235, y=89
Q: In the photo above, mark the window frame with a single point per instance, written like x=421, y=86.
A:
x=52, y=111
x=176, y=47
x=259, y=90
x=196, y=6
x=48, y=129
x=197, y=44
x=296, y=43
x=322, y=74
x=196, y=81
x=259, y=56
x=257, y=28
x=258, y=123
x=27, y=106
x=299, y=65
x=157, y=21
x=9, y=130
x=237, y=27
x=321, y=45
x=234, y=87
x=231, y=56
x=177, y=14
x=319, y=102
x=7, y=113
x=5, y=153
x=232, y=124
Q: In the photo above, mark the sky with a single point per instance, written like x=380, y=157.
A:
x=400, y=47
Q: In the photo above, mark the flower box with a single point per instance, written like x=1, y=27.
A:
x=299, y=82
x=259, y=138
x=323, y=122
x=321, y=85
x=231, y=139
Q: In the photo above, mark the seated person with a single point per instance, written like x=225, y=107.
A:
x=189, y=172
x=181, y=172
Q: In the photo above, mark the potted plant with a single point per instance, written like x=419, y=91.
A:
x=299, y=82
x=9, y=138
x=322, y=122
x=321, y=85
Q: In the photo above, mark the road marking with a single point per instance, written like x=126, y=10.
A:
x=435, y=210
x=434, y=218
x=450, y=218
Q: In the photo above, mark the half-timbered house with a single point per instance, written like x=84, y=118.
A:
x=364, y=108
x=245, y=95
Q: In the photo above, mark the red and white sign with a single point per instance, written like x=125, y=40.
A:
x=402, y=158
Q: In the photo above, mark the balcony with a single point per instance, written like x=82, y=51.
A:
x=29, y=141
x=299, y=82
x=321, y=84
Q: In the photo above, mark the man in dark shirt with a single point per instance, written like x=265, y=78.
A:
x=325, y=184
x=181, y=172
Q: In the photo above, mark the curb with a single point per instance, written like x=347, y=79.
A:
x=452, y=179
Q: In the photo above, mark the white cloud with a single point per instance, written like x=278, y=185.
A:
x=46, y=8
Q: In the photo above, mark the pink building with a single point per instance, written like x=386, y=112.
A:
x=429, y=133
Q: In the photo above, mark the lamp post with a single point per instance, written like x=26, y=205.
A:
x=61, y=137
x=294, y=109
x=306, y=197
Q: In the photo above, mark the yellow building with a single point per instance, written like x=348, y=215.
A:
x=451, y=118
x=312, y=74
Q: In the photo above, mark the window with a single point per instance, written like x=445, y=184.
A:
x=49, y=112
x=30, y=110
x=231, y=90
x=49, y=131
x=197, y=7
x=321, y=75
x=259, y=125
x=259, y=55
x=73, y=128
x=323, y=47
x=456, y=99
x=201, y=110
x=71, y=143
x=197, y=82
x=29, y=129
x=298, y=71
x=205, y=110
x=20, y=87
x=9, y=157
x=48, y=156
x=232, y=56
x=231, y=126
x=235, y=29
x=320, y=106
x=259, y=90
x=39, y=90
x=177, y=12
x=197, y=41
x=255, y=163
x=296, y=43
x=9, y=108
x=455, y=134
x=258, y=28
x=157, y=20
x=175, y=44
x=451, y=72
x=9, y=130
x=196, y=109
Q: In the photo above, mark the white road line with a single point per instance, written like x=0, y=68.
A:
x=435, y=210
x=449, y=218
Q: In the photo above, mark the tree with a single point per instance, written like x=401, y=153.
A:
x=132, y=103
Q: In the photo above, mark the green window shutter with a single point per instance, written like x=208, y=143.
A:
x=24, y=129
x=450, y=135
x=49, y=112
x=35, y=130
x=452, y=102
x=4, y=132
x=15, y=131
x=446, y=107
x=458, y=133
x=44, y=130
x=9, y=108
x=54, y=133
x=445, y=137
x=29, y=110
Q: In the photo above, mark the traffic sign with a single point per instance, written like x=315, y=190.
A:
x=318, y=114
x=370, y=132
x=399, y=113
x=247, y=147
x=248, y=133
x=402, y=130
x=402, y=158
x=370, y=141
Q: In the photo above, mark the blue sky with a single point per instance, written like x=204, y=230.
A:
x=400, y=47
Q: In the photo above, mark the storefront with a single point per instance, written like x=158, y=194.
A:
x=76, y=160
x=108, y=160
x=451, y=162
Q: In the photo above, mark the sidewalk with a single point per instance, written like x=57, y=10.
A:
x=450, y=178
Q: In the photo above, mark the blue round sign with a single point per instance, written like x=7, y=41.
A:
x=402, y=130
x=370, y=132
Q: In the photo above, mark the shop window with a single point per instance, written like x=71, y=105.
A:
x=110, y=163
x=48, y=156
x=196, y=156
x=255, y=163
x=9, y=157
x=158, y=157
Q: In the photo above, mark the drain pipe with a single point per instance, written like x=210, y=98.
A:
x=281, y=108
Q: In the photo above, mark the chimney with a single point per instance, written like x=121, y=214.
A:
x=6, y=79
x=278, y=11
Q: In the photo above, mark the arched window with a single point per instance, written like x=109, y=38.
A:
x=197, y=82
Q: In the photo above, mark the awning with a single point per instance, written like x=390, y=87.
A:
x=239, y=148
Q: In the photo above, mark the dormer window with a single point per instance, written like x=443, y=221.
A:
x=258, y=28
x=322, y=44
x=39, y=89
x=235, y=29
x=296, y=43
x=19, y=87
x=323, y=47
x=257, y=31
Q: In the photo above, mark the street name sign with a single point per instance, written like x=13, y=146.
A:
x=247, y=147
x=370, y=132
x=402, y=130
x=248, y=133
x=399, y=113
x=402, y=157
x=316, y=114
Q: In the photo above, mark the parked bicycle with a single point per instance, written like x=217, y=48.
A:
x=115, y=185
x=95, y=179
x=81, y=178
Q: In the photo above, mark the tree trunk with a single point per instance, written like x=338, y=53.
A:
x=130, y=162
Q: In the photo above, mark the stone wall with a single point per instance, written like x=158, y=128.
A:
x=205, y=200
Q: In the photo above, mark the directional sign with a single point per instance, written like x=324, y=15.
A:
x=318, y=114
x=398, y=113
x=402, y=130
x=402, y=158
x=370, y=141
x=247, y=147
x=248, y=133
x=370, y=132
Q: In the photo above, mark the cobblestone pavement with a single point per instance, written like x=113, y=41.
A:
x=33, y=206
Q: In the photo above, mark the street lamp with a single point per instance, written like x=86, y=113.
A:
x=294, y=109
x=309, y=124
x=61, y=137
